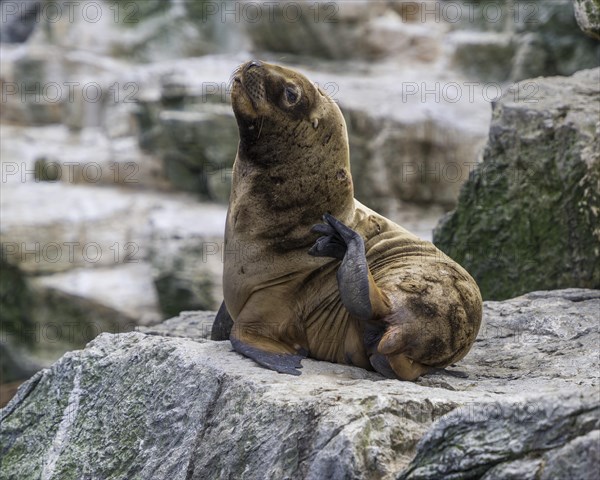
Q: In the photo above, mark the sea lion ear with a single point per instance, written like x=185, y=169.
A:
x=315, y=122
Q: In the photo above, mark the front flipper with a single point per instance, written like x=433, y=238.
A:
x=280, y=362
x=222, y=325
x=382, y=366
x=267, y=352
x=358, y=291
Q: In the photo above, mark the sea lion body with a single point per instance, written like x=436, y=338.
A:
x=370, y=293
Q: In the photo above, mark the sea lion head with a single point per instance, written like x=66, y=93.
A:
x=280, y=112
x=293, y=161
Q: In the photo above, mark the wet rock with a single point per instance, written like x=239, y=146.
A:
x=158, y=406
x=529, y=216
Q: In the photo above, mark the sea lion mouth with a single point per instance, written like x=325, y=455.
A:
x=248, y=80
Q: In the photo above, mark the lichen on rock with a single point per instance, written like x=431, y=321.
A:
x=528, y=217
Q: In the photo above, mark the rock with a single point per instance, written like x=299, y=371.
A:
x=55, y=227
x=143, y=32
x=65, y=311
x=18, y=20
x=325, y=30
x=587, y=13
x=198, y=149
x=78, y=260
x=186, y=253
x=511, y=41
x=16, y=360
x=53, y=153
x=473, y=51
x=406, y=140
x=550, y=438
x=193, y=325
x=16, y=305
x=488, y=40
x=16, y=364
x=43, y=85
x=184, y=118
x=410, y=141
x=152, y=406
x=125, y=292
x=529, y=216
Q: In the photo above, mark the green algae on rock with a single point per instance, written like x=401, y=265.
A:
x=528, y=218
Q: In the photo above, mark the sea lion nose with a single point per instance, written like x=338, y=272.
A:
x=251, y=64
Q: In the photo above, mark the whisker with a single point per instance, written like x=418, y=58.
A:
x=233, y=75
x=262, y=120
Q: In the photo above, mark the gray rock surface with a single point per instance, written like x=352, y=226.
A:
x=342, y=30
x=405, y=145
x=193, y=325
x=587, y=13
x=489, y=40
x=517, y=39
x=146, y=405
x=78, y=260
x=529, y=216
x=145, y=31
x=186, y=254
x=18, y=20
x=547, y=438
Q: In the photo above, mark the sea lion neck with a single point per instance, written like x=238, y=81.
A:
x=294, y=186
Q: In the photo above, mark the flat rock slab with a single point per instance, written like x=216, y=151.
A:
x=144, y=405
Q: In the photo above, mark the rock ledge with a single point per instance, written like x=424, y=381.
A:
x=144, y=405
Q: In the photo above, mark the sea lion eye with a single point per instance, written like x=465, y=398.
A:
x=291, y=95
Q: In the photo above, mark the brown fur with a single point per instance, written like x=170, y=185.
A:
x=287, y=174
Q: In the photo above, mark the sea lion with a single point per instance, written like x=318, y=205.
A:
x=356, y=289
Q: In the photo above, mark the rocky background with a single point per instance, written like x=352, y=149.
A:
x=117, y=141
